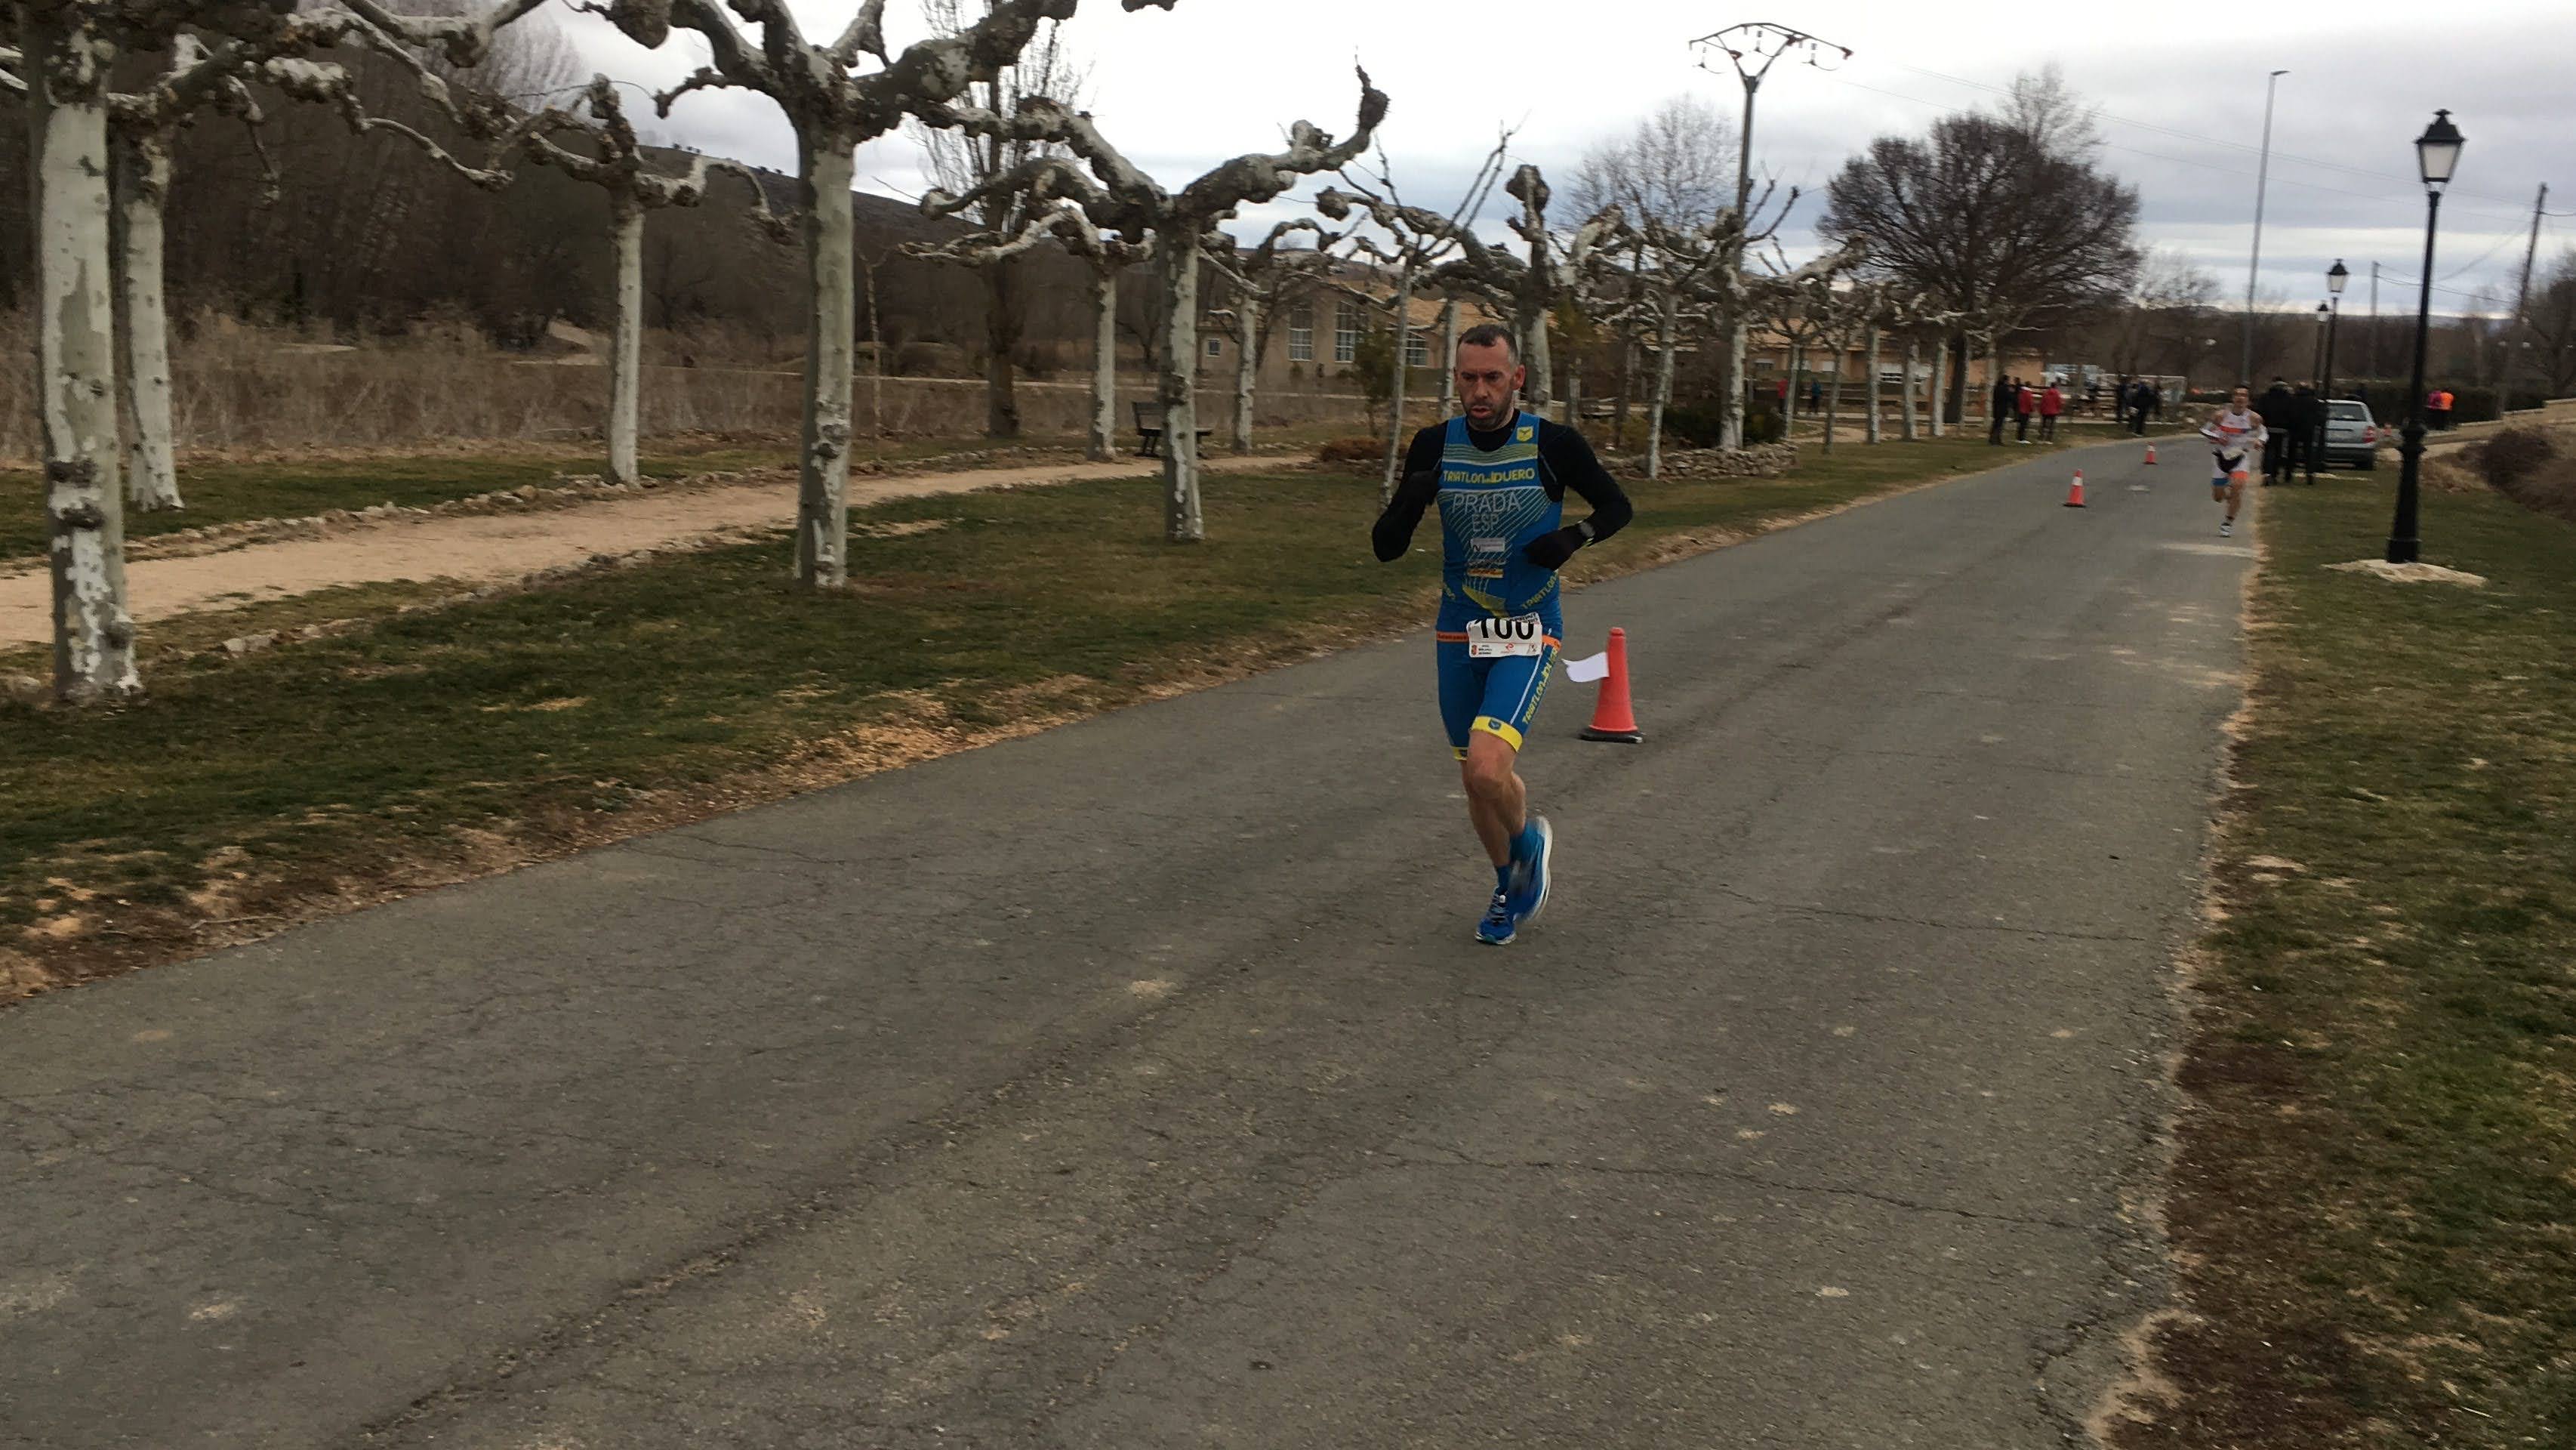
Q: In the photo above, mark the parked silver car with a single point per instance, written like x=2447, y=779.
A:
x=2352, y=436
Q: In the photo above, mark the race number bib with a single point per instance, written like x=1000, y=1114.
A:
x=1494, y=639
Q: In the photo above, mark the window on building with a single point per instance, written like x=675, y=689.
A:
x=1301, y=333
x=1417, y=350
x=1346, y=332
x=1216, y=347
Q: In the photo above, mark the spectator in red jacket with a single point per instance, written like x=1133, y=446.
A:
x=2025, y=403
x=2051, y=403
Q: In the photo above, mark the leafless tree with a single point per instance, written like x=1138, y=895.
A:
x=66, y=52
x=2551, y=321
x=833, y=106
x=960, y=161
x=1983, y=221
x=1411, y=242
x=1259, y=276
x=611, y=158
x=1121, y=199
x=1675, y=170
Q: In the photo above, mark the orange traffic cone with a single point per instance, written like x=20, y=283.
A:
x=2151, y=455
x=2075, y=494
x=1612, y=718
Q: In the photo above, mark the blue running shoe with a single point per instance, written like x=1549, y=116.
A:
x=1497, y=928
x=1528, y=896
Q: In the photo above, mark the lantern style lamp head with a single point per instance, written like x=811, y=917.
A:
x=2336, y=276
x=2437, y=152
x=2321, y=312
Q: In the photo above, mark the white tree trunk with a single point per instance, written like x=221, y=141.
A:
x=1667, y=328
x=66, y=71
x=1246, y=366
x=1789, y=400
x=1183, y=521
x=1104, y=365
x=823, y=468
x=1449, y=358
x=626, y=336
x=1870, y=433
x=1731, y=432
x=1834, y=391
x=1395, y=387
x=1905, y=394
x=1940, y=387
x=1542, y=368
x=142, y=189
x=1574, y=395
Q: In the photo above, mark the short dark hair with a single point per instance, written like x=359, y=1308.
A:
x=1488, y=334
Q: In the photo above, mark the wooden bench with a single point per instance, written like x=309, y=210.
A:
x=1149, y=431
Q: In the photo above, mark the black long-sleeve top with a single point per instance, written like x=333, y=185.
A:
x=1565, y=462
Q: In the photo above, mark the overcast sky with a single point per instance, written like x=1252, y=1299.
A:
x=2180, y=97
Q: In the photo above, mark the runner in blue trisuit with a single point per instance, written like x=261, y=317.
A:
x=1500, y=477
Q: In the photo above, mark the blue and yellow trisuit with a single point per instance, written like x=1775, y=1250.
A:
x=1492, y=505
x=1499, y=493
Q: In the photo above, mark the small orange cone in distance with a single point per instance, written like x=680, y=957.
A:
x=2151, y=455
x=1612, y=718
x=2075, y=493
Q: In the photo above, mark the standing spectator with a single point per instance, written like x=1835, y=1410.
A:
x=2151, y=404
x=1815, y=396
x=1998, y=403
x=2437, y=408
x=2051, y=403
x=2279, y=417
x=2093, y=396
x=2025, y=403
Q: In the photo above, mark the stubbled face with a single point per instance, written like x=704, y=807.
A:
x=1488, y=383
x=2238, y=399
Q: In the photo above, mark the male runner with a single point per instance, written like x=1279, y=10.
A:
x=2236, y=429
x=1500, y=477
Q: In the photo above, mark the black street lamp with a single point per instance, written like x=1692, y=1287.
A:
x=2336, y=276
x=2437, y=155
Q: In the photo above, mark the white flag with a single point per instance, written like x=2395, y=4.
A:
x=1585, y=671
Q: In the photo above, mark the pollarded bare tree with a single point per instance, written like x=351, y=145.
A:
x=1259, y=276
x=833, y=107
x=1416, y=242
x=615, y=162
x=1121, y=199
x=1106, y=255
x=960, y=161
x=66, y=52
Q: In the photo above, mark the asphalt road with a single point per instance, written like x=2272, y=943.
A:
x=1138, y=1085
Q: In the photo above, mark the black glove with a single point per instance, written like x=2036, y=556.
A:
x=1550, y=551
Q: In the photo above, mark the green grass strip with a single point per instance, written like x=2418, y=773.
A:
x=2376, y=1193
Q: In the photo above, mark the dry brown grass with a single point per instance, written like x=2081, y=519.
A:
x=239, y=387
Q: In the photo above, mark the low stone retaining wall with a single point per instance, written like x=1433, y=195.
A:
x=1762, y=460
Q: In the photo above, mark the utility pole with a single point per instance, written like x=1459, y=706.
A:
x=1752, y=48
x=2254, y=267
x=2374, y=319
x=2521, y=299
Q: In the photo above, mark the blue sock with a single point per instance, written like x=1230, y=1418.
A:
x=1502, y=878
x=1525, y=845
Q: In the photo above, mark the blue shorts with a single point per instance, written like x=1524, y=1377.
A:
x=1498, y=696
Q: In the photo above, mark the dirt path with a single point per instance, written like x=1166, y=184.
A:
x=481, y=548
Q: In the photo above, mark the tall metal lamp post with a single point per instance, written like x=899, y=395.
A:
x=2437, y=155
x=2336, y=276
x=1752, y=48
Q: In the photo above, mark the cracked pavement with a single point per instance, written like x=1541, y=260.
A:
x=1137, y=1084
